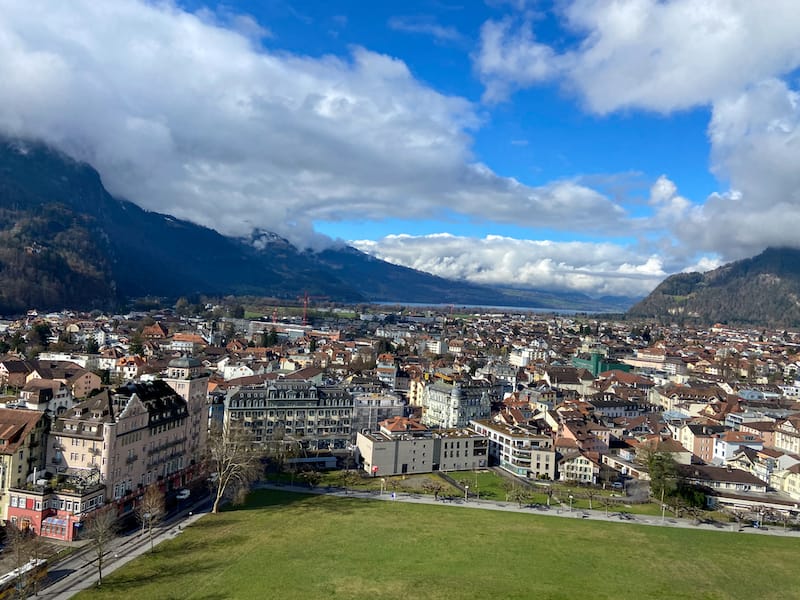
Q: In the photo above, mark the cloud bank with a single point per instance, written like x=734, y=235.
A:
x=592, y=268
x=185, y=116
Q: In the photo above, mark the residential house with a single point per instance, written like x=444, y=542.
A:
x=728, y=443
x=130, y=368
x=80, y=381
x=787, y=435
x=46, y=395
x=699, y=438
x=580, y=467
x=14, y=373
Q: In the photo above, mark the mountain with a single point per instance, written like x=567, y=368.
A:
x=759, y=291
x=66, y=242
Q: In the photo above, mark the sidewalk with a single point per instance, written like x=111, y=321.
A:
x=80, y=569
x=561, y=511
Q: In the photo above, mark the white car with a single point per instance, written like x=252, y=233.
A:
x=183, y=494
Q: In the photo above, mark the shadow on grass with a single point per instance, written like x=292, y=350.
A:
x=312, y=503
x=128, y=579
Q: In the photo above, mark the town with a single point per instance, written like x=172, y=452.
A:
x=99, y=408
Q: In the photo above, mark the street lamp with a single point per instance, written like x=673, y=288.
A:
x=383, y=485
x=466, y=492
x=570, y=502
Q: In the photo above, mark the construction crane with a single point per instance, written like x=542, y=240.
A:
x=305, y=300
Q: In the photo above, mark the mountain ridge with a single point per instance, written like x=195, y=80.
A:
x=763, y=290
x=65, y=241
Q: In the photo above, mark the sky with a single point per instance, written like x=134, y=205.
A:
x=576, y=145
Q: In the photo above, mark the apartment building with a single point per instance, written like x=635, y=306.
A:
x=450, y=406
x=108, y=448
x=22, y=437
x=406, y=446
x=519, y=449
x=320, y=417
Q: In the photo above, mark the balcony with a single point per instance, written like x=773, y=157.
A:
x=131, y=459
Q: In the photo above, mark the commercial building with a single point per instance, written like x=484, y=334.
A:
x=406, y=446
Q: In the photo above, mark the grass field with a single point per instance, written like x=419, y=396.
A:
x=283, y=545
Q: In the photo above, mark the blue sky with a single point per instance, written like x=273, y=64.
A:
x=577, y=145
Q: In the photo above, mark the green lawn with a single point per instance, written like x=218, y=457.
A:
x=286, y=546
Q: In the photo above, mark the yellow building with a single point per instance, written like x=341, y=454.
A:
x=22, y=450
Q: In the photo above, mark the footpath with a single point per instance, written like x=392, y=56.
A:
x=557, y=510
x=78, y=571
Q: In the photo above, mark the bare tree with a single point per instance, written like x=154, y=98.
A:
x=348, y=478
x=151, y=510
x=432, y=487
x=312, y=478
x=234, y=459
x=591, y=494
x=25, y=547
x=101, y=528
x=520, y=495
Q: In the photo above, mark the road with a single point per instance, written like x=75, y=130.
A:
x=79, y=571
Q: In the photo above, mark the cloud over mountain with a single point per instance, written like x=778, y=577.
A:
x=593, y=268
x=185, y=116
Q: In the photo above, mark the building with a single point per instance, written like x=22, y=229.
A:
x=370, y=408
x=45, y=395
x=406, y=446
x=450, y=406
x=728, y=443
x=581, y=467
x=189, y=379
x=22, y=446
x=699, y=439
x=519, y=449
x=319, y=417
x=386, y=370
x=79, y=380
x=108, y=448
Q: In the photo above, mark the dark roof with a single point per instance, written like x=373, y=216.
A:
x=17, y=366
x=711, y=473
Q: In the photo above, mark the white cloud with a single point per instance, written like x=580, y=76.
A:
x=510, y=57
x=425, y=25
x=592, y=268
x=660, y=55
x=755, y=138
x=185, y=116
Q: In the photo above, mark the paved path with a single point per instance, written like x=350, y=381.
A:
x=79, y=571
x=560, y=511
